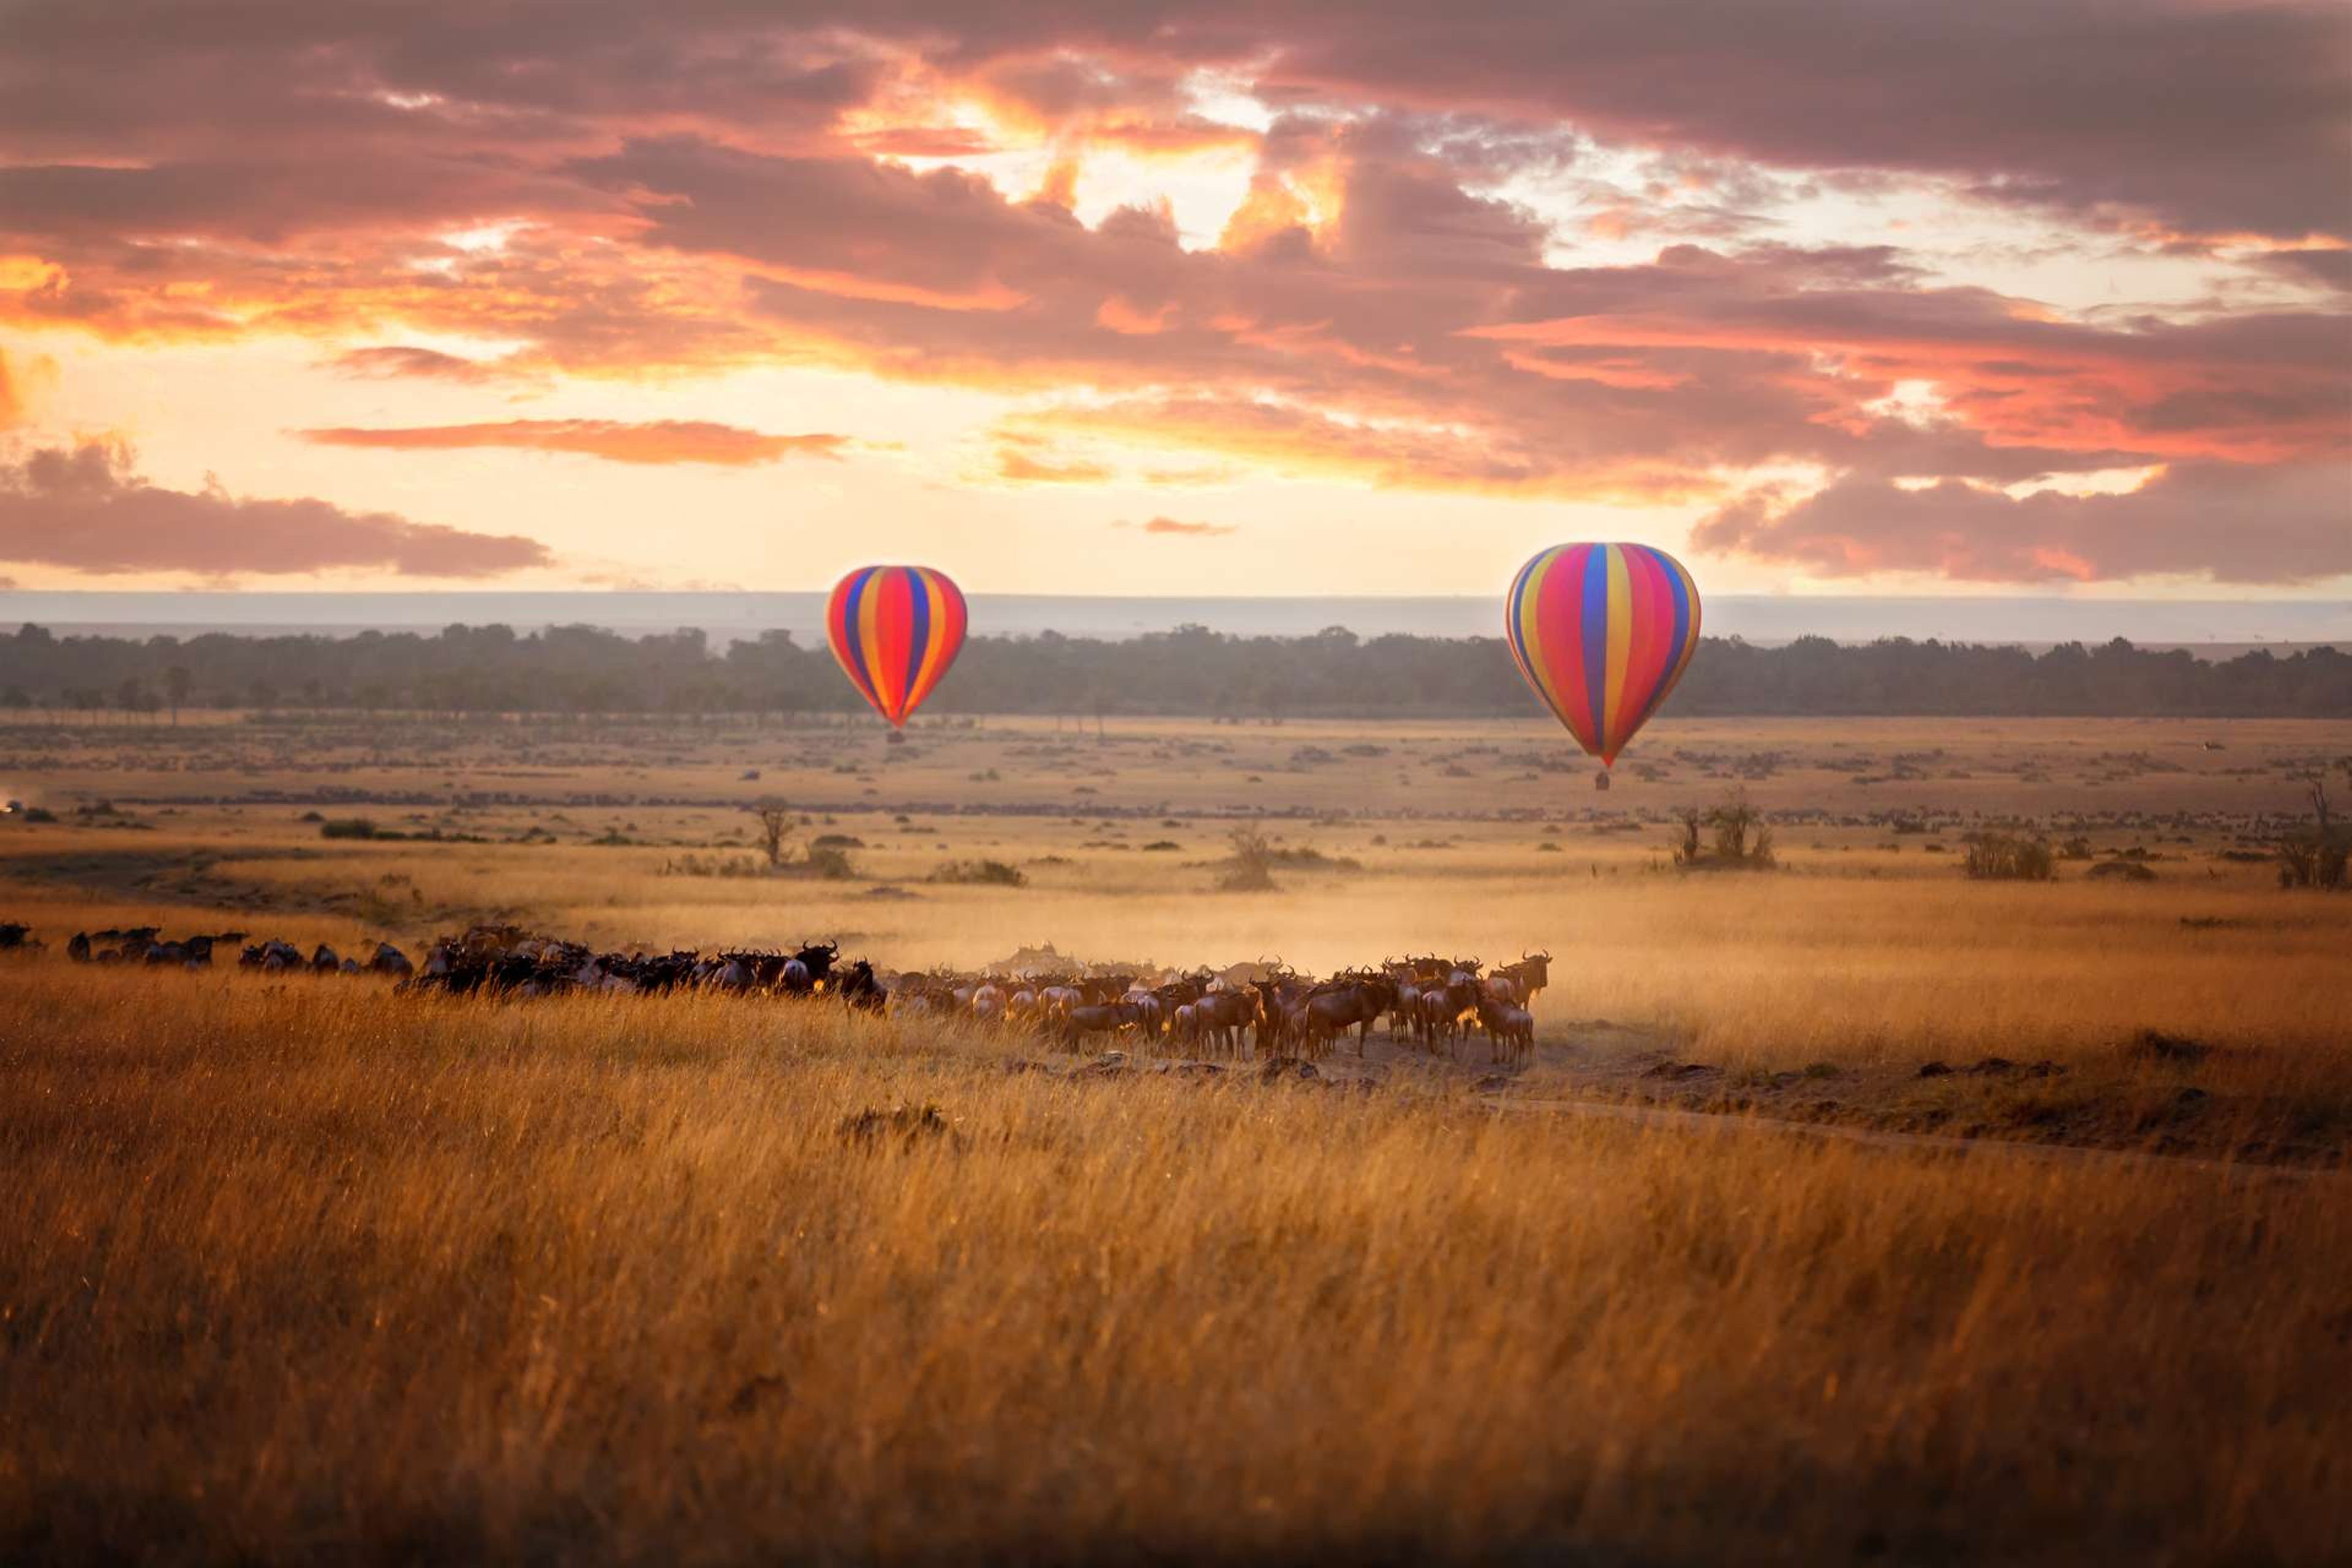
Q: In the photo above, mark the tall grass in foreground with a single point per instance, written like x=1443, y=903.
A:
x=313, y=1273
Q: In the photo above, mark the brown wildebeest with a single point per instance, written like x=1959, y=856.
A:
x=1098, y=1018
x=1509, y=1028
x=1529, y=975
x=1332, y=1008
x=1277, y=994
x=861, y=991
x=1445, y=1008
x=1220, y=1017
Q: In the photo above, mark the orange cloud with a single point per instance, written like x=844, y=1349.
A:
x=658, y=441
x=1018, y=465
x=1170, y=526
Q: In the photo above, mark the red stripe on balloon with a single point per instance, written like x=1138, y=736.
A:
x=1559, y=606
x=886, y=661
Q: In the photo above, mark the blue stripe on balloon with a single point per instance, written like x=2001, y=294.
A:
x=1681, y=590
x=918, y=632
x=1511, y=617
x=1596, y=638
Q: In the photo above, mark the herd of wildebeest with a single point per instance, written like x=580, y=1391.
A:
x=1266, y=1005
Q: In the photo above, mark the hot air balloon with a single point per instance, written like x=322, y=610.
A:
x=1602, y=632
x=895, y=629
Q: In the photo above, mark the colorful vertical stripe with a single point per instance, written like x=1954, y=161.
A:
x=1602, y=631
x=895, y=629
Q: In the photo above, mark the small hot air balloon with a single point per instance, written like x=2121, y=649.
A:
x=895, y=629
x=1602, y=632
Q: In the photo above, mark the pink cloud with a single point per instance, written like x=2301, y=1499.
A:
x=87, y=509
x=1171, y=527
x=2175, y=523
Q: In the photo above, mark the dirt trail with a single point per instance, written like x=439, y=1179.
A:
x=1738, y=1122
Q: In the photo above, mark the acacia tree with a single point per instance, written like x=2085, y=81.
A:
x=775, y=819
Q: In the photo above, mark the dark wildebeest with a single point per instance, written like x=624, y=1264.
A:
x=1509, y=1028
x=1346, y=1002
x=1447, y=1006
x=390, y=960
x=1098, y=1018
x=1221, y=1018
x=1528, y=977
x=861, y=991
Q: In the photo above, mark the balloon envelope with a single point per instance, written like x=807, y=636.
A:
x=1602, y=632
x=895, y=630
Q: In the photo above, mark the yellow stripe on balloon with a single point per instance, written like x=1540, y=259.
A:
x=1690, y=637
x=938, y=603
x=869, y=605
x=1620, y=650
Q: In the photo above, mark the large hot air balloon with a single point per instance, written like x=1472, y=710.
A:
x=1602, y=632
x=895, y=629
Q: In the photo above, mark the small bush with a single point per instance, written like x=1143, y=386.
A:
x=828, y=864
x=981, y=873
x=1251, y=870
x=2005, y=857
x=347, y=827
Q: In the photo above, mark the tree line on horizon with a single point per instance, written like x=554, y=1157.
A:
x=1190, y=671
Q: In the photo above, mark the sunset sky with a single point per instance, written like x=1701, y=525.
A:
x=1191, y=297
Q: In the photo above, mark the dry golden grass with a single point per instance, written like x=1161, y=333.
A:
x=307, y=1273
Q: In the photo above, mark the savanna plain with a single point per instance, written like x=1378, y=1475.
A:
x=1847, y=1207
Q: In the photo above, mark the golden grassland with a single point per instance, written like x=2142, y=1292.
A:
x=309, y=1270
x=299, y=1275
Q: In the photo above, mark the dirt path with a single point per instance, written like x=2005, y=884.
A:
x=1721, y=1123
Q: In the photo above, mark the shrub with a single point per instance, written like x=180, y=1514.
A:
x=981, y=873
x=347, y=827
x=830, y=864
x=1251, y=870
x=2005, y=857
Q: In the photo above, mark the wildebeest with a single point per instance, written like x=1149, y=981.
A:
x=861, y=990
x=1528, y=976
x=1098, y=1018
x=1331, y=1009
x=1510, y=1028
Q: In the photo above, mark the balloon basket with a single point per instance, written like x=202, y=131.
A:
x=1600, y=781
x=895, y=738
